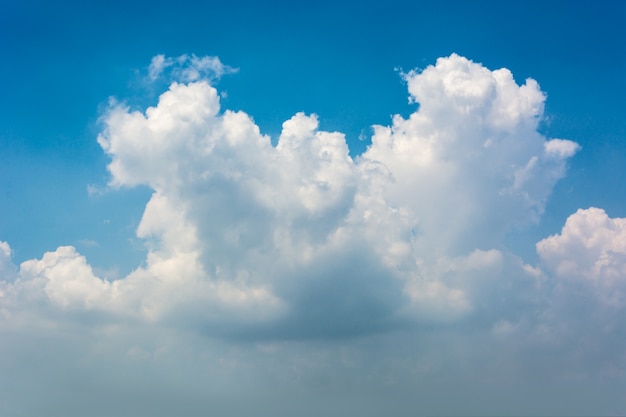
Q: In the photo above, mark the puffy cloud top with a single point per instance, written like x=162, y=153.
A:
x=469, y=163
x=590, y=249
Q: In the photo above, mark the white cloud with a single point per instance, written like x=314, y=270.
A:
x=7, y=269
x=188, y=68
x=255, y=249
x=561, y=148
x=412, y=227
x=591, y=249
x=157, y=65
x=469, y=164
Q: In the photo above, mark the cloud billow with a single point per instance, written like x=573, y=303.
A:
x=302, y=236
x=287, y=268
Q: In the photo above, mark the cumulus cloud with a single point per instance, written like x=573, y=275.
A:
x=590, y=250
x=287, y=269
x=300, y=235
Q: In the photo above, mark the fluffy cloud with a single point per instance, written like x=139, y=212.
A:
x=299, y=239
x=470, y=163
x=590, y=251
x=285, y=270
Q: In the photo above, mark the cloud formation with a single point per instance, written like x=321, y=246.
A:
x=256, y=238
x=590, y=251
x=294, y=268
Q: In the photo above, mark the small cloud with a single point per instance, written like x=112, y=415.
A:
x=93, y=190
x=188, y=68
x=157, y=65
x=98, y=190
x=561, y=148
x=503, y=328
x=88, y=243
x=591, y=250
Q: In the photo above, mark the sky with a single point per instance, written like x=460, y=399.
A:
x=312, y=208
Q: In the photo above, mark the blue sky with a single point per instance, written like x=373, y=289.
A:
x=254, y=226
